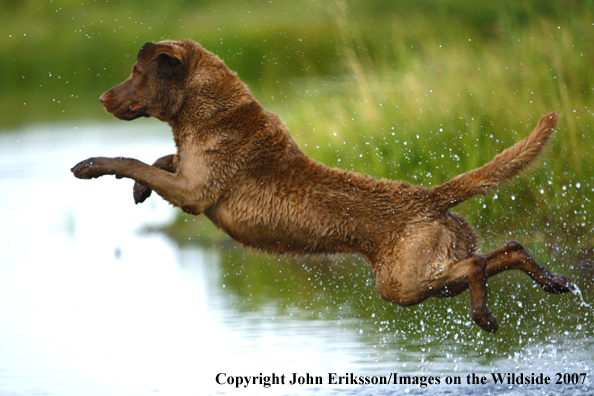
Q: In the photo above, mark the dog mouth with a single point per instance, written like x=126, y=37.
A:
x=121, y=110
x=130, y=114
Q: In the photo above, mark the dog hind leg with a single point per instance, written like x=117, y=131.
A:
x=397, y=286
x=513, y=256
x=471, y=273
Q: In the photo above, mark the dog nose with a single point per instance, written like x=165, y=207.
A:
x=103, y=98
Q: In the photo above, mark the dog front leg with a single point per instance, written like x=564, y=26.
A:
x=172, y=187
x=142, y=192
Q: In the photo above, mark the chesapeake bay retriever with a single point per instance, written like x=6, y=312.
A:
x=237, y=164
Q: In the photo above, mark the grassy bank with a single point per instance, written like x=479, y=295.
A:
x=454, y=105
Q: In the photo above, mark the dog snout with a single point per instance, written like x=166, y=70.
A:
x=109, y=101
x=103, y=98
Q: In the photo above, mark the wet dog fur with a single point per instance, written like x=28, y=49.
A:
x=238, y=164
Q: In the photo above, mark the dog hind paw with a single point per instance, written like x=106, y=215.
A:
x=558, y=284
x=486, y=320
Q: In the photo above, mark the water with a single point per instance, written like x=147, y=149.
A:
x=91, y=305
x=579, y=293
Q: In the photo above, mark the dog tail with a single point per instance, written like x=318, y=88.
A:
x=499, y=171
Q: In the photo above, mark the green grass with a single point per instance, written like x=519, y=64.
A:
x=449, y=105
x=418, y=91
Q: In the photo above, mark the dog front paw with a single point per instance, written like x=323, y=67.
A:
x=141, y=193
x=90, y=168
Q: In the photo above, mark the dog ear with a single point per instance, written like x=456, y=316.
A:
x=168, y=56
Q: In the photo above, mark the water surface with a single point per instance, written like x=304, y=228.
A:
x=91, y=305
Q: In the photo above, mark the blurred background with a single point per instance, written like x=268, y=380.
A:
x=99, y=295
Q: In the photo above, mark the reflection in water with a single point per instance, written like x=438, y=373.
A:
x=88, y=305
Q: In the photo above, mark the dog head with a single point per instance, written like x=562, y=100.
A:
x=165, y=75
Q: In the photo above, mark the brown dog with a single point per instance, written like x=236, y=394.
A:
x=238, y=164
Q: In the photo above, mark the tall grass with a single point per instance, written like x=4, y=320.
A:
x=434, y=105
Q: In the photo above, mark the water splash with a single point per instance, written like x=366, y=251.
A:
x=576, y=290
